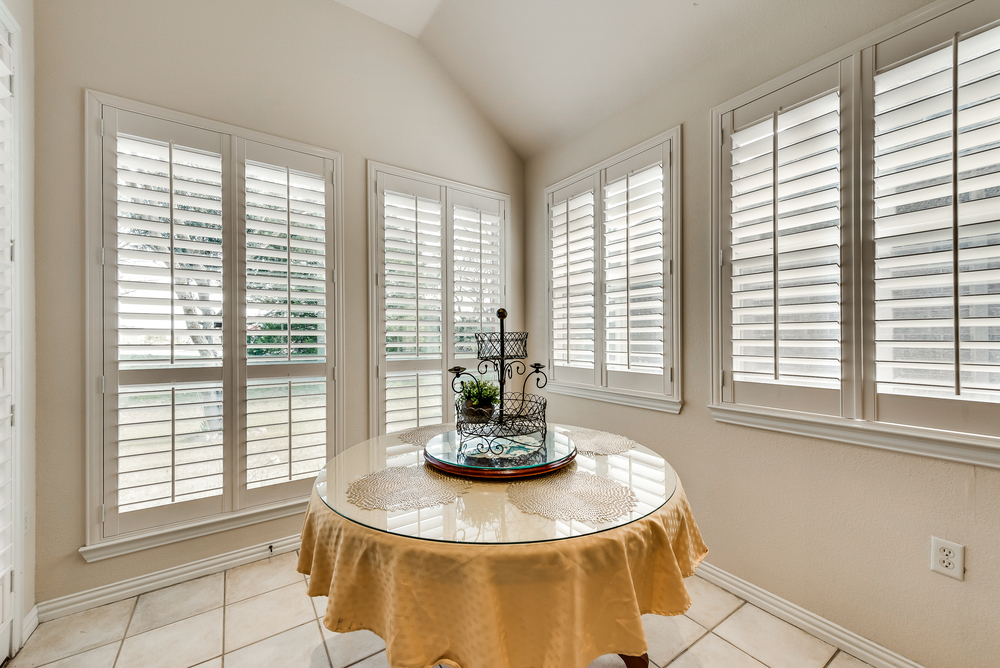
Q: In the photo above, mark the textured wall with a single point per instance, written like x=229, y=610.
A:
x=312, y=71
x=841, y=530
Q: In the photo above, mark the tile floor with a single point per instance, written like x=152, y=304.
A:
x=259, y=615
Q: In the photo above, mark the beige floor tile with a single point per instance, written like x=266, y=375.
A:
x=172, y=604
x=669, y=636
x=377, y=661
x=102, y=657
x=319, y=603
x=843, y=660
x=709, y=604
x=74, y=634
x=714, y=652
x=301, y=647
x=261, y=576
x=348, y=648
x=179, y=645
x=772, y=641
x=607, y=661
x=266, y=615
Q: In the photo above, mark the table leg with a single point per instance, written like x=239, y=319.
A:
x=635, y=661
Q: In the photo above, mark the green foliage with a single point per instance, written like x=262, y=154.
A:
x=480, y=393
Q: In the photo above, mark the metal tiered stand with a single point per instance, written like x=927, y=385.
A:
x=513, y=439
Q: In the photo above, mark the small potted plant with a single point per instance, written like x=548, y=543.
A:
x=478, y=397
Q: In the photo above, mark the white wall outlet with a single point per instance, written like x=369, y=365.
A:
x=948, y=558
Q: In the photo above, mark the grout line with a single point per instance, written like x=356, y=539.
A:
x=835, y=655
x=368, y=657
x=723, y=620
x=322, y=638
x=125, y=635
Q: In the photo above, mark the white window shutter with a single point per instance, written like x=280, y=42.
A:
x=8, y=325
x=573, y=244
x=477, y=268
x=411, y=295
x=163, y=366
x=783, y=239
x=936, y=270
x=287, y=210
x=635, y=272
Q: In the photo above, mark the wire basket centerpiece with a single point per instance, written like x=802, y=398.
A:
x=498, y=429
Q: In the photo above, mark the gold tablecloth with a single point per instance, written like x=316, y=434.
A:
x=555, y=604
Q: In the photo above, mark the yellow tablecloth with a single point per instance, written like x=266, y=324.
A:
x=556, y=604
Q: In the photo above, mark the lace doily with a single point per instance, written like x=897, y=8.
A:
x=572, y=495
x=422, y=435
x=405, y=488
x=593, y=442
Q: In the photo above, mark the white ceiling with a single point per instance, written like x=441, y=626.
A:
x=543, y=71
x=410, y=16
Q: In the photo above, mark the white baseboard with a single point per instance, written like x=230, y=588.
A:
x=29, y=624
x=117, y=591
x=811, y=623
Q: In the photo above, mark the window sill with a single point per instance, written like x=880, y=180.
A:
x=115, y=547
x=621, y=397
x=934, y=443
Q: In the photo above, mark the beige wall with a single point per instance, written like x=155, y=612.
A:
x=23, y=11
x=309, y=70
x=841, y=530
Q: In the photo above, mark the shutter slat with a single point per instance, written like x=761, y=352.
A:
x=285, y=275
x=573, y=241
x=917, y=313
x=476, y=277
x=286, y=430
x=148, y=264
x=633, y=270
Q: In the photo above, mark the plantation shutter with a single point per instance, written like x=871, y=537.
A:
x=8, y=325
x=287, y=202
x=782, y=248
x=635, y=273
x=165, y=346
x=412, y=291
x=477, y=268
x=936, y=224
x=573, y=282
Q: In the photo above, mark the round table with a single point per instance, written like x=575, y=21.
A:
x=479, y=583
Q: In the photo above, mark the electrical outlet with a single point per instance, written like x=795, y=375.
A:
x=948, y=558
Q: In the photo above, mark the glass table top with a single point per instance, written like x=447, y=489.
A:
x=483, y=514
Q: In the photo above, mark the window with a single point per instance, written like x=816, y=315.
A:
x=859, y=262
x=614, y=292
x=216, y=344
x=438, y=250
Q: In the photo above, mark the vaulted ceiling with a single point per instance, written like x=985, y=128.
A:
x=543, y=71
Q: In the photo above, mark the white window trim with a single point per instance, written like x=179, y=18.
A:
x=97, y=547
x=20, y=505
x=651, y=401
x=927, y=442
x=374, y=315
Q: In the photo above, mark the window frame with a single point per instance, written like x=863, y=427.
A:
x=668, y=402
x=376, y=340
x=856, y=424
x=97, y=546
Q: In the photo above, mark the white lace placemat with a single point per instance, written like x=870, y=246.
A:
x=405, y=488
x=572, y=495
x=593, y=442
x=422, y=435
